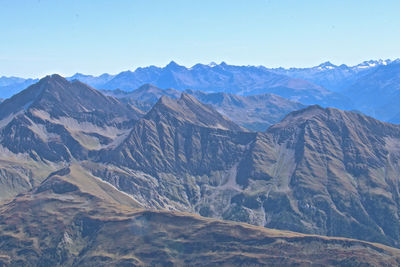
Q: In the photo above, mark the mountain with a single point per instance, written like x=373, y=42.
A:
x=143, y=97
x=332, y=77
x=326, y=84
x=60, y=98
x=187, y=109
x=243, y=80
x=51, y=122
x=378, y=93
x=12, y=85
x=372, y=86
x=255, y=112
x=319, y=171
x=343, y=177
x=74, y=219
x=95, y=81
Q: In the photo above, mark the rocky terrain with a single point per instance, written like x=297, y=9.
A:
x=75, y=219
x=319, y=171
x=53, y=122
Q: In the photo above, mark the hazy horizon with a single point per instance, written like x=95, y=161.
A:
x=188, y=67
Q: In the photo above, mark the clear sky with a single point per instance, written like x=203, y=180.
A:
x=39, y=37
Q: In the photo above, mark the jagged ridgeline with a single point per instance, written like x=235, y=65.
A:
x=89, y=166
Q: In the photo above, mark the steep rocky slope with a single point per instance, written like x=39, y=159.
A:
x=75, y=219
x=53, y=122
x=322, y=171
x=343, y=177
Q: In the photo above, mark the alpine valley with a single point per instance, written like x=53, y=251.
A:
x=209, y=165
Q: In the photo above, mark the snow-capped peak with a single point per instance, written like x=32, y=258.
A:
x=326, y=66
x=373, y=63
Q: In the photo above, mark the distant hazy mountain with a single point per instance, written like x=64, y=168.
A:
x=378, y=92
x=243, y=80
x=95, y=81
x=372, y=86
x=256, y=112
x=333, y=77
x=144, y=97
x=322, y=84
x=9, y=86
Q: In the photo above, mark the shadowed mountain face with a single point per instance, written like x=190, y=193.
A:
x=318, y=171
x=75, y=219
x=54, y=121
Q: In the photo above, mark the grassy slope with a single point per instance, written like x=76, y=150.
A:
x=73, y=218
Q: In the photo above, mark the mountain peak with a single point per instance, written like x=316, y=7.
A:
x=52, y=79
x=295, y=118
x=188, y=97
x=147, y=87
x=188, y=109
x=59, y=97
x=172, y=64
x=326, y=65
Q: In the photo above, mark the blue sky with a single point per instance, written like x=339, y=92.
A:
x=93, y=37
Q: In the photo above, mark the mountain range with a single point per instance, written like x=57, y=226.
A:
x=332, y=77
x=81, y=168
x=369, y=87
